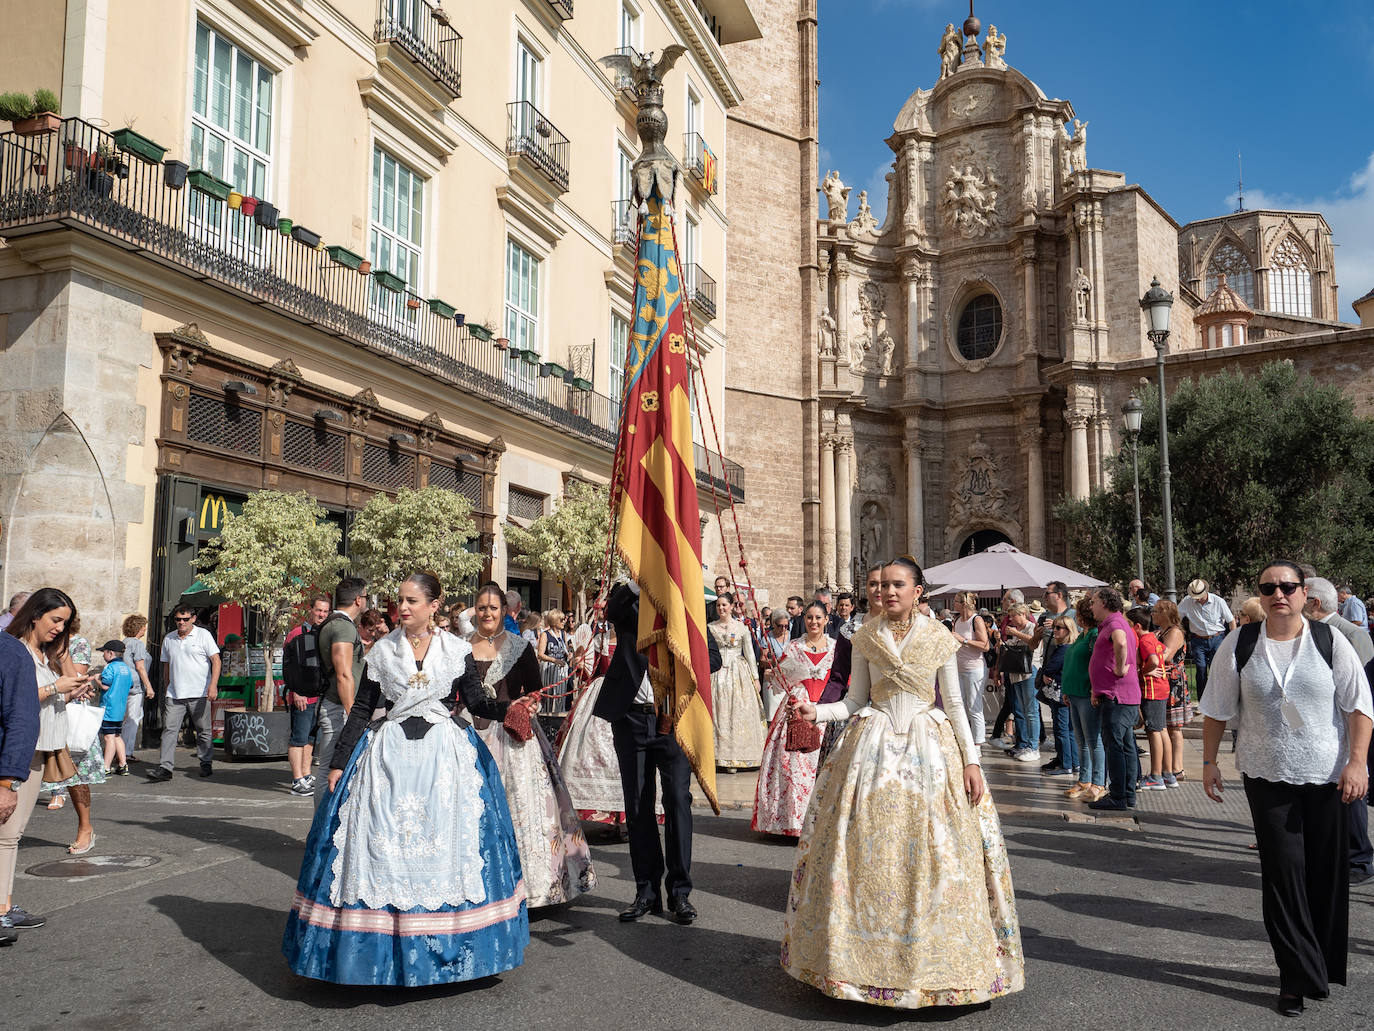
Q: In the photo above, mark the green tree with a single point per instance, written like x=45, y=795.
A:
x=425, y=529
x=268, y=559
x=1273, y=465
x=570, y=542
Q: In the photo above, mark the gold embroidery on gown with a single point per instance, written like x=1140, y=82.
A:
x=901, y=894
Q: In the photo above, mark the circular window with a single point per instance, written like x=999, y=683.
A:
x=980, y=328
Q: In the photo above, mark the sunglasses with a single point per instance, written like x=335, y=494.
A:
x=1286, y=586
x=182, y=619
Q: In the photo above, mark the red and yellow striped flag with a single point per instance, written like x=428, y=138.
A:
x=660, y=535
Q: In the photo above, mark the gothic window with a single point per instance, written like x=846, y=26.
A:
x=980, y=328
x=1290, y=280
x=1228, y=261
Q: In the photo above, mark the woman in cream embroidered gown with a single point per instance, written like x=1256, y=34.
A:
x=411, y=874
x=553, y=850
x=786, y=779
x=736, y=704
x=901, y=894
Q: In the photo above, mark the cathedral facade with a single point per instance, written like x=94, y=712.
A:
x=972, y=352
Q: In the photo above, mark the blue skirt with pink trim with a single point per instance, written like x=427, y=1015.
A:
x=352, y=944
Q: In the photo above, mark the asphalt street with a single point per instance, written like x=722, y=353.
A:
x=175, y=921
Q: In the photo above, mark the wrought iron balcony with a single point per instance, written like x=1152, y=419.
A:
x=76, y=180
x=716, y=471
x=532, y=136
x=624, y=222
x=700, y=162
x=562, y=8
x=701, y=290
x=422, y=31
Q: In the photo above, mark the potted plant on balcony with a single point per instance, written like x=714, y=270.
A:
x=343, y=256
x=389, y=280
x=459, y=318
x=208, y=184
x=482, y=332
x=31, y=115
x=284, y=225
x=138, y=145
x=249, y=205
x=365, y=268
x=412, y=302
x=305, y=236
x=74, y=156
x=578, y=383
x=502, y=343
x=442, y=308
x=235, y=200
x=266, y=214
x=100, y=181
x=108, y=158
x=530, y=356
x=174, y=174
x=438, y=13
x=552, y=369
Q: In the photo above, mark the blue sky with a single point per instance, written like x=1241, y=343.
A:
x=1172, y=91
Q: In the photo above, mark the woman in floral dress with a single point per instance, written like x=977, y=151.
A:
x=901, y=894
x=736, y=704
x=553, y=850
x=786, y=779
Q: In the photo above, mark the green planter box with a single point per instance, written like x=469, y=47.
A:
x=480, y=332
x=531, y=357
x=210, y=185
x=389, y=280
x=578, y=383
x=442, y=308
x=343, y=256
x=139, y=146
x=552, y=369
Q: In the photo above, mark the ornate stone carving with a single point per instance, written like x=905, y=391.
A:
x=430, y=427
x=1075, y=148
x=970, y=197
x=872, y=534
x=972, y=101
x=915, y=269
x=836, y=198
x=185, y=345
x=976, y=491
x=282, y=378
x=994, y=49
x=1082, y=291
x=364, y=404
x=655, y=165
x=865, y=226
x=949, y=51
x=825, y=335
x=873, y=348
x=875, y=474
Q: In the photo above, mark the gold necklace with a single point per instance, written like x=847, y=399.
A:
x=899, y=626
x=415, y=640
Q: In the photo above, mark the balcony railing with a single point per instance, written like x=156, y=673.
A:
x=700, y=162
x=562, y=8
x=75, y=179
x=531, y=135
x=701, y=289
x=624, y=222
x=423, y=32
x=718, y=471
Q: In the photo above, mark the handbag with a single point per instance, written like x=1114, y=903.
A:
x=83, y=725
x=802, y=735
x=1015, y=660
x=518, y=722
x=1048, y=691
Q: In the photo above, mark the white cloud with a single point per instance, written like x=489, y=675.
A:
x=1350, y=213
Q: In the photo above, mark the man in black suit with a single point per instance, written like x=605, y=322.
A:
x=626, y=701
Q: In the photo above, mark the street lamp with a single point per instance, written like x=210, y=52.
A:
x=1130, y=412
x=1157, y=302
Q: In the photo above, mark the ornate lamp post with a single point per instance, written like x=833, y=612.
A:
x=1157, y=303
x=1131, y=412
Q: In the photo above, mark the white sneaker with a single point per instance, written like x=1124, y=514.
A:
x=1030, y=755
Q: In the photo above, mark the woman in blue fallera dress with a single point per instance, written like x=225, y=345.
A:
x=411, y=874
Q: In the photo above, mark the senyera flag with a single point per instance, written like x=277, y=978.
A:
x=660, y=535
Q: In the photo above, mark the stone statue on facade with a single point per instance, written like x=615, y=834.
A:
x=655, y=164
x=949, y=51
x=865, y=226
x=836, y=198
x=872, y=535
x=970, y=200
x=995, y=47
x=1075, y=147
x=884, y=350
x=825, y=334
x=1082, y=287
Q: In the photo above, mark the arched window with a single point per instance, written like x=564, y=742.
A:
x=980, y=328
x=1227, y=260
x=1290, y=280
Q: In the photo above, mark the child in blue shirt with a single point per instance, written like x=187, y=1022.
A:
x=118, y=680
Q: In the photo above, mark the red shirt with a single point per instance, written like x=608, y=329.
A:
x=1154, y=686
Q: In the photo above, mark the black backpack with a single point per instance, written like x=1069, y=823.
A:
x=1249, y=637
x=300, y=661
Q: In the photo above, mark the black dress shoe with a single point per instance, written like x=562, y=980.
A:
x=159, y=773
x=642, y=906
x=1289, y=1005
x=683, y=910
x=206, y=770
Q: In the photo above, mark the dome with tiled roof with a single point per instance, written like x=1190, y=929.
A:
x=1223, y=300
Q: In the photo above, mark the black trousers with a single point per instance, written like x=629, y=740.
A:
x=1357, y=817
x=1305, y=878
x=642, y=750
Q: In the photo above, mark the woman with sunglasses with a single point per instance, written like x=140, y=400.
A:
x=1302, y=706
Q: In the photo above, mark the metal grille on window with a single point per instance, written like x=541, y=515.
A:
x=525, y=504
x=388, y=467
x=313, y=448
x=441, y=474
x=464, y=482
x=210, y=420
x=980, y=328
